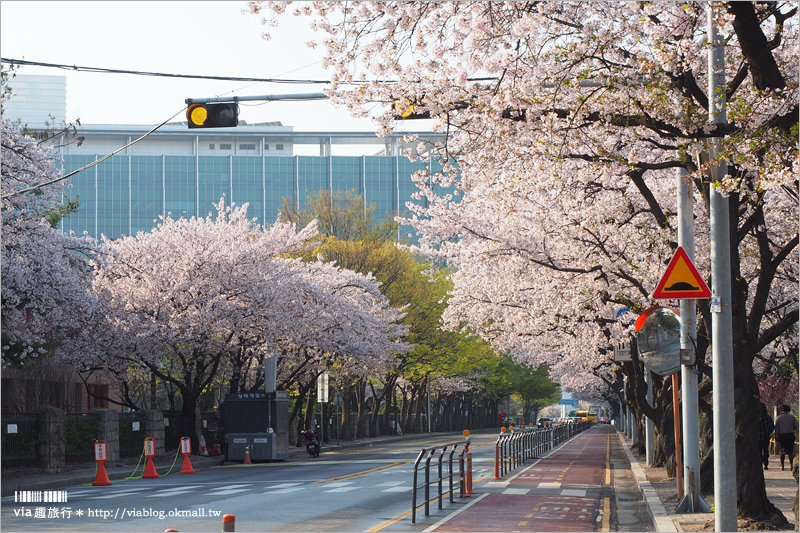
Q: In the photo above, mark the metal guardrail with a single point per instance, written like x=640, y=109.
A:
x=517, y=446
x=442, y=449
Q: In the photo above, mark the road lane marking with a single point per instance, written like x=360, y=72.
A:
x=390, y=483
x=285, y=491
x=398, y=489
x=454, y=514
x=606, y=526
x=226, y=492
x=342, y=489
x=284, y=485
x=365, y=472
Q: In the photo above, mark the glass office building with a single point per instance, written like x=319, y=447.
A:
x=180, y=172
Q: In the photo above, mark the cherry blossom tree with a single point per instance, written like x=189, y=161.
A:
x=566, y=123
x=44, y=271
x=182, y=299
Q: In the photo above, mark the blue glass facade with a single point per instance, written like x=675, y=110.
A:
x=126, y=194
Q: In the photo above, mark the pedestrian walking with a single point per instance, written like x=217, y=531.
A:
x=785, y=426
x=765, y=429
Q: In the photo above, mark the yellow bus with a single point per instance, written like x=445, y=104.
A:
x=586, y=416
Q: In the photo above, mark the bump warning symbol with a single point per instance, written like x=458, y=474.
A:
x=681, y=280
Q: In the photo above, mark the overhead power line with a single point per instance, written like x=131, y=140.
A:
x=100, y=70
x=23, y=62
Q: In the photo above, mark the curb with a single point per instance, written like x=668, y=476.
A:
x=658, y=513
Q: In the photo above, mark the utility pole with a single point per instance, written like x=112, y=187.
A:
x=692, y=501
x=721, y=312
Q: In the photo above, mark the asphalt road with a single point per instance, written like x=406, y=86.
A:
x=361, y=489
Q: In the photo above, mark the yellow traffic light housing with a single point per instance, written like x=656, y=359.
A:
x=218, y=115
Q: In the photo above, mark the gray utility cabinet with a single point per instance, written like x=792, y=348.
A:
x=257, y=419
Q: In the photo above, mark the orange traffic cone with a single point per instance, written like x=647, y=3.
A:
x=150, y=469
x=101, y=479
x=247, y=455
x=187, y=465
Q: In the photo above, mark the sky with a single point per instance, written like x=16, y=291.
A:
x=206, y=38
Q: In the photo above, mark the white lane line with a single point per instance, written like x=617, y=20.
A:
x=516, y=491
x=225, y=492
x=339, y=484
x=342, y=489
x=390, y=483
x=449, y=517
x=283, y=485
x=397, y=489
x=285, y=491
x=573, y=492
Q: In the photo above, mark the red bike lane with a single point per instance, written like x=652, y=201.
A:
x=569, y=489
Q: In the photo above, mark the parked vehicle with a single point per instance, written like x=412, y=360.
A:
x=312, y=443
x=544, y=422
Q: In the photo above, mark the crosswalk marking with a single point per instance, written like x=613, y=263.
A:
x=225, y=492
x=397, y=489
x=126, y=492
x=389, y=483
x=285, y=491
x=516, y=491
x=284, y=485
x=342, y=489
x=549, y=485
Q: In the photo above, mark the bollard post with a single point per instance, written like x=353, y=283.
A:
x=469, y=472
x=228, y=523
x=496, y=461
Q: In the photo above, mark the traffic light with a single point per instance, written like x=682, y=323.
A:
x=213, y=115
x=406, y=110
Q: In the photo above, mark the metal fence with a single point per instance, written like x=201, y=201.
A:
x=440, y=475
x=518, y=446
x=81, y=432
x=20, y=437
x=131, y=434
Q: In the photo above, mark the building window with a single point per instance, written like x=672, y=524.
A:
x=97, y=390
x=210, y=146
x=247, y=147
x=279, y=147
x=266, y=146
x=224, y=146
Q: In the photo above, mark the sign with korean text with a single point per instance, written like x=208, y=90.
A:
x=149, y=447
x=186, y=445
x=100, y=450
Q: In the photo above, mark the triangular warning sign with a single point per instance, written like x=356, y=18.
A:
x=681, y=280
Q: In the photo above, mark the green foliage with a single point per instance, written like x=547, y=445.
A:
x=342, y=215
x=80, y=436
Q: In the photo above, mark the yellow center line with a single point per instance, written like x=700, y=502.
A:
x=606, y=515
x=364, y=473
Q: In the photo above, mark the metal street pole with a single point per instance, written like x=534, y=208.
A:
x=649, y=429
x=721, y=313
x=692, y=501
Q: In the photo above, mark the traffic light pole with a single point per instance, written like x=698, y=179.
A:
x=262, y=98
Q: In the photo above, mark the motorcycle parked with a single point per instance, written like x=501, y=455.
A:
x=312, y=443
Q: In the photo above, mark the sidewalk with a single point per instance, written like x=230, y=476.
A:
x=661, y=492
